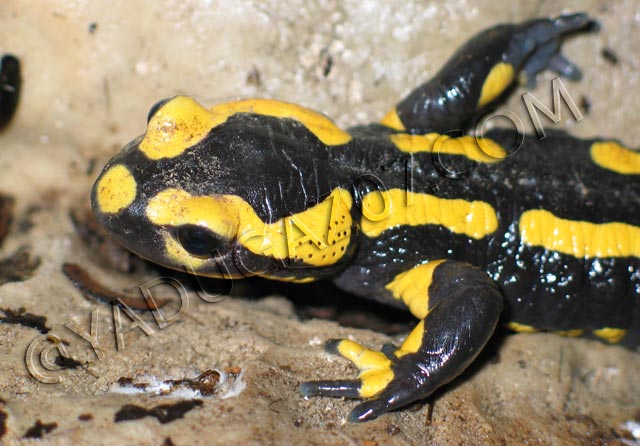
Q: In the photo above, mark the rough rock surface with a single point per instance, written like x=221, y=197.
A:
x=92, y=69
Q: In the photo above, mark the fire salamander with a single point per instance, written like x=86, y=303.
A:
x=460, y=230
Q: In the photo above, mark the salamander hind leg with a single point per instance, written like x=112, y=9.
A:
x=482, y=71
x=458, y=310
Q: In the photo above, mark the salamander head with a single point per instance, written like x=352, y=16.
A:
x=212, y=190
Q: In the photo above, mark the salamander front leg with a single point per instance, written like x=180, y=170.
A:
x=460, y=307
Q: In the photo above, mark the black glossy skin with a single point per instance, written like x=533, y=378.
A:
x=10, y=82
x=549, y=174
x=281, y=168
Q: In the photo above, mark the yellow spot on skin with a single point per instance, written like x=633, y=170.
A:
x=580, y=239
x=393, y=121
x=321, y=126
x=613, y=156
x=412, y=287
x=483, y=150
x=612, y=335
x=362, y=357
x=182, y=122
x=318, y=236
x=176, y=207
x=396, y=207
x=374, y=381
x=498, y=79
x=291, y=279
x=521, y=328
x=116, y=189
x=413, y=342
x=374, y=366
x=571, y=333
x=176, y=126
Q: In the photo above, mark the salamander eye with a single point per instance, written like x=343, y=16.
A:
x=157, y=106
x=200, y=242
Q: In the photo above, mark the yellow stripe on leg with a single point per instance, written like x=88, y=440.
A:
x=362, y=357
x=498, y=79
x=374, y=381
x=375, y=367
x=412, y=287
x=413, y=342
